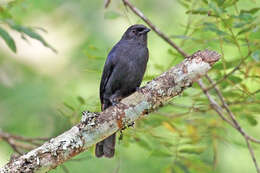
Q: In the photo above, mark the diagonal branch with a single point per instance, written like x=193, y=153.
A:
x=94, y=127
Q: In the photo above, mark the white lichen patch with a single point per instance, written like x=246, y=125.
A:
x=132, y=113
x=197, y=69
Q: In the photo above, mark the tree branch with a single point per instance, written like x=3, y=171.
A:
x=94, y=127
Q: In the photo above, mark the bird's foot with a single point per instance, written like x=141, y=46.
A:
x=131, y=125
x=115, y=100
x=137, y=88
x=121, y=135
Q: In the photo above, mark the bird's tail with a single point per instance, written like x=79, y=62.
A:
x=106, y=147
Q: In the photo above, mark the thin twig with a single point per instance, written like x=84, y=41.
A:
x=21, y=142
x=214, y=104
x=107, y=2
x=12, y=144
x=252, y=155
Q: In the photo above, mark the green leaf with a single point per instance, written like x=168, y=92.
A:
x=171, y=52
x=81, y=100
x=198, y=11
x=184, y=4
x=159, y=67
x=212, y=27
x=205, y=1
x=111, y=15
x=4, y=14
x=160, y=153
x=256, y=55
x=220, y=2
x=69, y=106
x=31, y=33
x=215, y=8
x=239, y=24
x=251, y=11
x=229, y=3
x=245, y=30
x=143, y=143
x=8, y=39
x=251, y=120
x=246, y=17
x=192, y=150
x=235, y=79
x=149, y=77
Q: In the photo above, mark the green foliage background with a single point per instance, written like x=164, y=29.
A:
x=42, y=92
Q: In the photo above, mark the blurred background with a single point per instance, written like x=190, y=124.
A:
x=52, y=54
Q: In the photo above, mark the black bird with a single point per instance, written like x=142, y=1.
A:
x=122, y=75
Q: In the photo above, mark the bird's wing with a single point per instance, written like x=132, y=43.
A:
x=107, y=71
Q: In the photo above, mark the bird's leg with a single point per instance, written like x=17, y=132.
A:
x=121, y=135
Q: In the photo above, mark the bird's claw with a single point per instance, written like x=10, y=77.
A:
x=131, y=125
x=137, y=88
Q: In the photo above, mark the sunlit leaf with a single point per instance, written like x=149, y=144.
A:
x=8, y=39
x=31, y=33
x=169, y=126
x=160, y=153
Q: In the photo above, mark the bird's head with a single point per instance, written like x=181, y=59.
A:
x=137, y=33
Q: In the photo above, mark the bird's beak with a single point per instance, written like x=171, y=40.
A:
x=146, y=30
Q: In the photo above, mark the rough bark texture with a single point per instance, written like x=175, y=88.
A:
x=94, y=127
